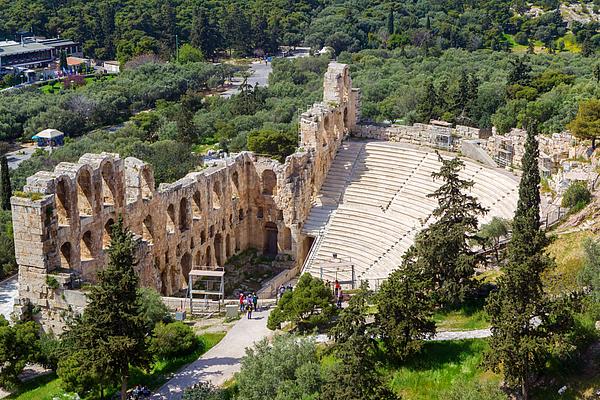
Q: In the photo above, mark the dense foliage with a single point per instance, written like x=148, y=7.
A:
x=18, y=346
x=480, y=88
x=103, y=101
x=125, y=29
x=577, y=196
x=173, y=340
x=307, y=306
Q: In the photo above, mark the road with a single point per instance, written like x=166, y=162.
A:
x=8, y=292
x=260, y=73
x=220, y=363
x=16, y=157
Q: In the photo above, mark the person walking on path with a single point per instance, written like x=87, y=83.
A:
x=340, y=298
x=255, y=301
x=241, y=302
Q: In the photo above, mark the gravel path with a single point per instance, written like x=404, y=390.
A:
x=220, y=363
x=458, y=335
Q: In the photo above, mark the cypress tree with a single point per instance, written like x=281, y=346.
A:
x=522, y=316
x=111, y=335
x=443, y=248
x=390, y=22
x=5, y=187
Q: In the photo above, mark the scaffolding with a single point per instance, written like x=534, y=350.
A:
x=205, y=286
x=338, y=267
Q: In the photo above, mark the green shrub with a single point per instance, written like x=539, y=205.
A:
x=51, y=282
x=577, y=196
x=173, y=340
x=152, y=308
x=205, y=391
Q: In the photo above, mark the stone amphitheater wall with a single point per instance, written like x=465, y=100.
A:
x=62, y=220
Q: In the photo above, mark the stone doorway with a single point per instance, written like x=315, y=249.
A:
x=270, y=243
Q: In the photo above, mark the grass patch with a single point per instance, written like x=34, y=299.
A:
x=570, y=43
x=568, y=252
x=514, y=46
x=439, y=367
x=48, y=387
x=45, y=387
x=460, y=320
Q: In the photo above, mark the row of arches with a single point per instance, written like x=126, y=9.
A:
x=85, y=199
x=89, y=246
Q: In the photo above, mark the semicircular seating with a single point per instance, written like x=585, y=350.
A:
x=381, y=202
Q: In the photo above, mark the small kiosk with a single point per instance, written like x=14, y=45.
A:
x=49, y=137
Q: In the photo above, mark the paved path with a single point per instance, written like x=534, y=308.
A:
x=220, y=363
x=8, y=292
x=458, y=335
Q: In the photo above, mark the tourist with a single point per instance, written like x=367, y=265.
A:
x=340, y=297
x=289, y=288
x=337, y=288
x=255, y=301
x=242, y=302
x=249, y=307
x=281, y=291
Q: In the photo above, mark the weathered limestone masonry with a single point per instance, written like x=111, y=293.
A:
x=62, y=226
x=434, y=134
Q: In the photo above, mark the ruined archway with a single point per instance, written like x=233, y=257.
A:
x=202, y=236
x=218, y=242
x=85, y=197
x=235, y=187
x=171, y=219
x=86, y=247
x=183, y=215
x=148, y=229
x=107, y=233
x=216, y=196
x=208, y=257
x=108, y=184
x=147, y=184
x=270, y=239
x=227, y=246
x=63, y=203
x=198, y=258
x=65, y=255
x=287, y=239
x=269, y=182
x=186, y=266
x=197, y=206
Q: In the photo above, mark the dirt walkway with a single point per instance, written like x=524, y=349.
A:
x=221, y=362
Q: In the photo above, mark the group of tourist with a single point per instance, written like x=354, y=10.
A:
x=282, y=290
x=248, y=303
x=139, y=392
x=338, y=294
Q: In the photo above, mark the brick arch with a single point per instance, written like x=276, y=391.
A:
x=62, y=199
x=269, y=182
x=184, y=211
x=87, y=247
x=109, y=191
x=66, y=255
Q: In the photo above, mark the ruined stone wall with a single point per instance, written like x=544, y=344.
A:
x=418, y=134
x=62, y=225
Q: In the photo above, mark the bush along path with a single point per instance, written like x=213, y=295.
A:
x=220, y=363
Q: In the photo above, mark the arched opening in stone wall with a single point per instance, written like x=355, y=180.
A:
x=107, y=233
x=202, y=236
x=269, y=182
x=197, y=206
x=65, y=255
x=238, y=245
x=218, y=249
x=186, y=267
x=184, y=215
x=85, y=197
x=216, y=196
x=171, y=219
x=63, y=205
x=241, y=214
x=164, y=277
x=148, y=229
x=345, y=116
x=87, y=247
x=108, y=184
x=147, y=184
x=235, y=187
x=208, y=258
x=260, y=212
x=227, y=246
x=198, y=258
x=270, y=239
x=287, y=239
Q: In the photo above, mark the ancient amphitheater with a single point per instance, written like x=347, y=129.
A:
x=357, y=203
